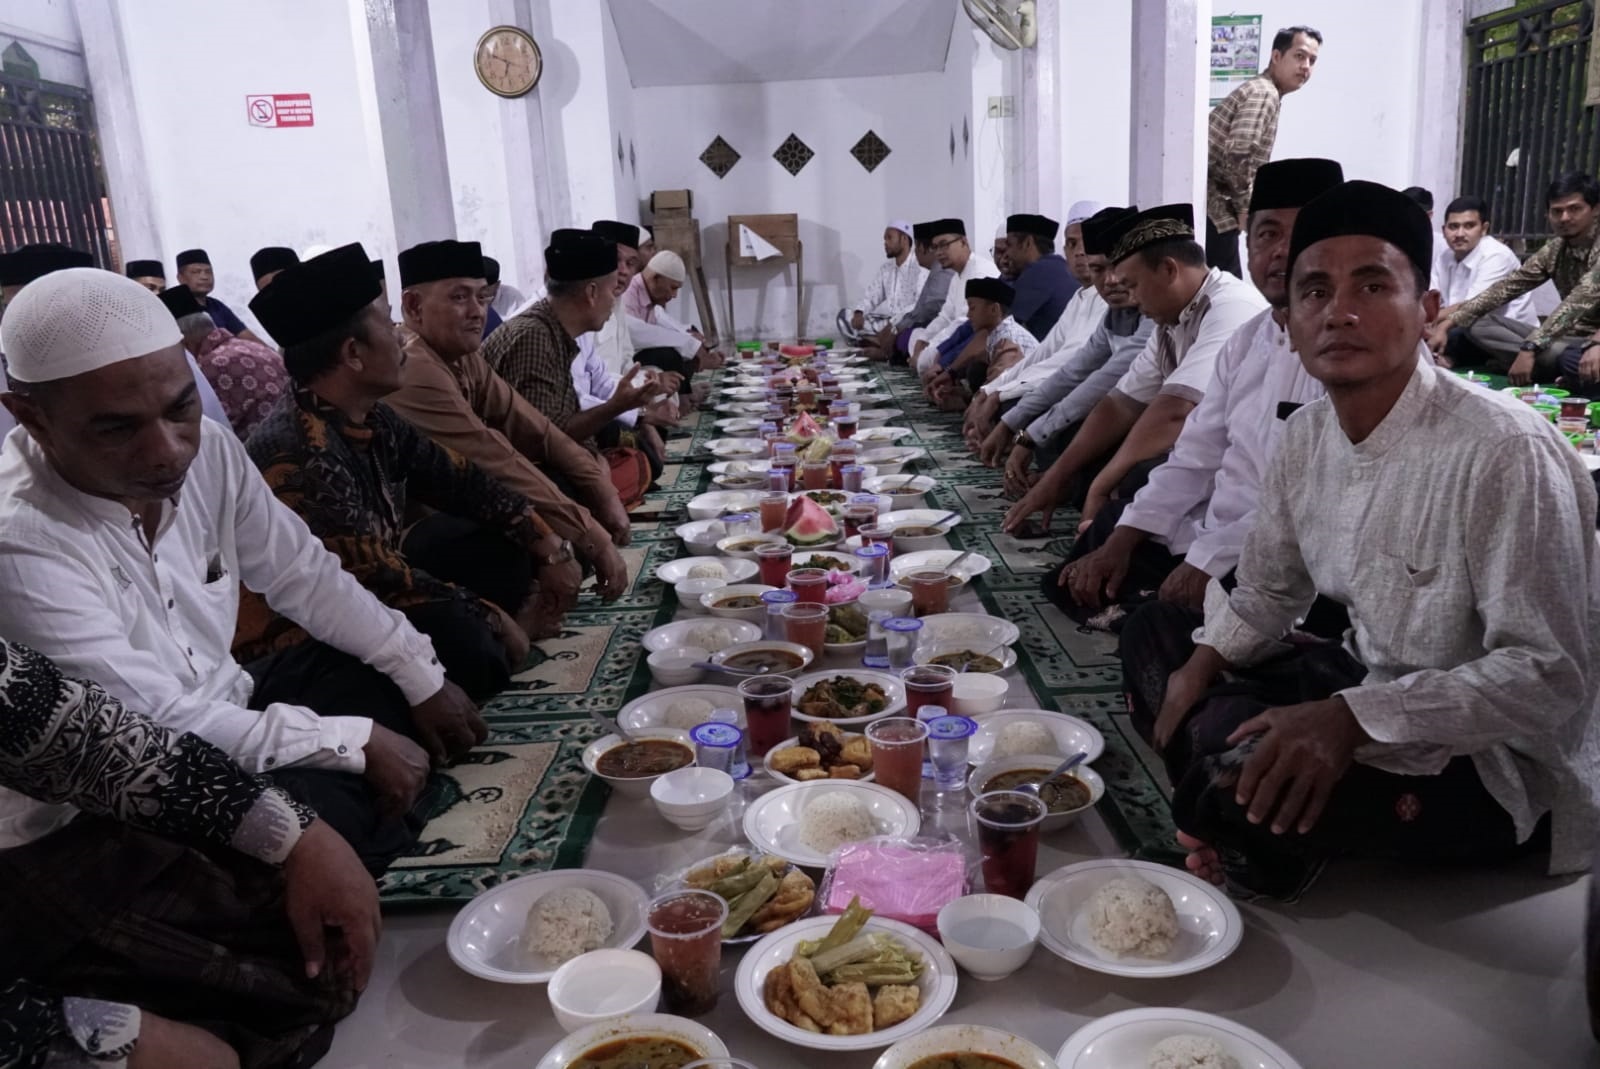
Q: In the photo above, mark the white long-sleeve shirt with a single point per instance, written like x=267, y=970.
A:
x=1492, y=260
x=1201, y=502
x=594, y=381
x=1219, y=307
x=893, y=290
x=1078, y=321
x=1460, y=535
x=954, y=311
x=154, y=623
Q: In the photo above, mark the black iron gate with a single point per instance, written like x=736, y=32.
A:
x=1526, y=76
x=51, y=184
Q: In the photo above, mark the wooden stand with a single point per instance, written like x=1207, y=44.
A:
x=677, y=230
x=783, y=233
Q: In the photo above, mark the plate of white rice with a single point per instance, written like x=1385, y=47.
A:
x=705, y=634
x=804, y=823
x=522, y=931
x=731, y=569
x=683, y=708
x=1102, y=916
x=1015, y=732
x=1160, y=1038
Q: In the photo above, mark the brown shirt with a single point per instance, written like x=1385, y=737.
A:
x=466, y=407
x=533, y=352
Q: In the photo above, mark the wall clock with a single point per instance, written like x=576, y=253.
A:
x=507, y=61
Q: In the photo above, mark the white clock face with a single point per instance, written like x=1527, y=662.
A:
x=508, y=62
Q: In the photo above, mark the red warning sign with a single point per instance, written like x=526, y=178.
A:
x=279, y=109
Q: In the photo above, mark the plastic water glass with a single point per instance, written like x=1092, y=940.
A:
x=717, y=746
x=768, y=705
x=874, y=563
x=850, y=476
x=948, y=737
x=928, y=714
x=775, y=601
x=902, y=633
x=741, y=756
x=742, y=523
x=876, y=653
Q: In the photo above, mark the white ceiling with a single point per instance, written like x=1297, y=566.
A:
x=700, y=42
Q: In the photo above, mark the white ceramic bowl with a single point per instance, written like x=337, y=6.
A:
x=754, y=614
x=737, y=448
x=1054, y=821
x=695, y=1036
x=977, y=693
x=964, y=1039
x=743, y=547
x=1070, y=733
x=679, y=571
x=485, y=938
x=701, y=536
x=691, y=798
x=890, y=459
x=908, y=543
x=990, y=936
x=676, y=667
x=717, y=503
x=763, y=646
x=882, y=435
x=630, y=786
x=903, y=491
x=972, y=565
x=871, y=416
x=927, y=651
x=603, y=985
x=690, y=591
x=893, y=689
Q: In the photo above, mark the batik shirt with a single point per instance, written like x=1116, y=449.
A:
x=533, y=352
x=352, y=485
x=66, y=741
x=1574, y=267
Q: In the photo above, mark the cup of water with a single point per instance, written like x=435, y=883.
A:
x=948, y=737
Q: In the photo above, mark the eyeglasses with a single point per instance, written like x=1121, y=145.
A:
x=945, y=243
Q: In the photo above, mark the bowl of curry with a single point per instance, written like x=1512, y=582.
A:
x=630, y=765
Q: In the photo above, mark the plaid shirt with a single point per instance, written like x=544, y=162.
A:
x=534, y=353
x=351, y=483
x=1574, y=266
x=1242, y=130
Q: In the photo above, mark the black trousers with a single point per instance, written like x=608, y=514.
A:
x=1222, y=249
x=1447, y=818
x=1148, y=566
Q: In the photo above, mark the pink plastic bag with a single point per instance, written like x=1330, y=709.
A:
x=904, y=880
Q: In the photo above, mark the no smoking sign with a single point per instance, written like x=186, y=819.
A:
x=279, y=109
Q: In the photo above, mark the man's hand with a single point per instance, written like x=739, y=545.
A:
x=1589, y=363
x=1019, y=468
x=858, y=321
x=1186, y=586
x=1093, y=501
x=514, y=637
x=661, y=414
x=167, y=1044
x=1439, y=335
x=559, y=584
x=1040, y=499
x=610, y=573
x=1521, y=373
x=332, y=905
x=1303, y=753
x=1095, y=573
x=633, y=388
x=396, y=770
x=448, y=724
x=708, y=359
x=996, y=445
x=614, y=518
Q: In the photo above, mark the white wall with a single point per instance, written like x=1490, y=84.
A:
x=1094, y=39
x=842, y=208
x=473, y=134
x=619, y=108
x=219, y=183
x=48, y=30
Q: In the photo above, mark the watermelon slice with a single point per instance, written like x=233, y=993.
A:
x=809, y=524
x=805, y=427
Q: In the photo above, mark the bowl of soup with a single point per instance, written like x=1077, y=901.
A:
x=738, y=601
x=630, y=765
x=964, y=1046
x=1067, y=797
x=658, y=1040
x=766, y=657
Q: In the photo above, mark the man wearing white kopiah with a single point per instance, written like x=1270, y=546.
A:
x=127, y=524
x=893, y=290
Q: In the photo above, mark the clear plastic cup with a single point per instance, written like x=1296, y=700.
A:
x=806, y=623
x=775, y=601
x=1008, y=839
x=686, y=941
x=773, y=560
x=928, y=684
x=874, y=563
x=811, y=584
x=930, y=591
x=948, y=739
x=768, y=704
x=774, y=509
x=897, y=745
x=902, y=633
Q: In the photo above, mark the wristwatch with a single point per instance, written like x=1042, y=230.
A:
x=1025, y=440
x=562, y=554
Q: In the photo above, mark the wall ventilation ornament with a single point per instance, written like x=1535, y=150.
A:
x=633, y=160
x=966, y=137
x=870, y=151
x=719, y=157
x=952, y=144
x=793, y=154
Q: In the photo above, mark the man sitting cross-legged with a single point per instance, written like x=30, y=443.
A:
x=1189, y=521
x=128, y=525
x=892, y=341
x=480, y=576
x=1457, y=722
x=190, y=916
x=893, y=289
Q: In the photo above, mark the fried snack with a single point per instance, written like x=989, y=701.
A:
x=779, y=995
x=844, y=772
x=806, y=774
x=851, y=1010
x=895, y=1003
x=810, y=997
x=857, y=751
x=720, y=868
x=796, y=893
x=792, y=759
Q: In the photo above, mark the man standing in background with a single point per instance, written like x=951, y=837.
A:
x=1241, y=133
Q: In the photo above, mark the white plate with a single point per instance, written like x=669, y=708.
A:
x=772, y=821
x=650, y=710
x=882, y=435
x=1071, y=734
x=969, y=627
x=675, y=571
x=1209, y=925
x=745, y=392
x=938, y=983
x=1125, y=1038
x=486, y=936
x=876, y=417
x=758, y=466
x=891, y=685
x=738, y=425
x=927, y=651
x=766, y=762
x=851, y=563
x=721, y=502
x=675, y=880
x=737, y=448
x=967, y=1038
x=693, y=1035
x=939, y=559
x=671, y=636
x=750, y=481
x=920, y=518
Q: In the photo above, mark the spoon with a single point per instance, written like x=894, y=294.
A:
x=1066, y=766
x=964, y=555
x=985, y=653
x=611, y=727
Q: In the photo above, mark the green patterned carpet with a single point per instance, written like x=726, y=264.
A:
x=522, y=802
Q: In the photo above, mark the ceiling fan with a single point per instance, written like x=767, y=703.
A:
x=1009, y=23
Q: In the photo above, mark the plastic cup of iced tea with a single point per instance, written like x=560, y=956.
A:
x=1008, y=839
x=768, y=703
x=686, y=941
x=897, y=745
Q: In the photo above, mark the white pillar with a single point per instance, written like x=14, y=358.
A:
x=116, y=111
x=1171, y=52
x=407, y=89
x=1040, y=112
x=1436, y=151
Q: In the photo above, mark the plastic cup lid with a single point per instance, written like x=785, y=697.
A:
x=716, y=733
x=779, y=597
x=877, y=549
x=951, y=727
x=903, y=623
